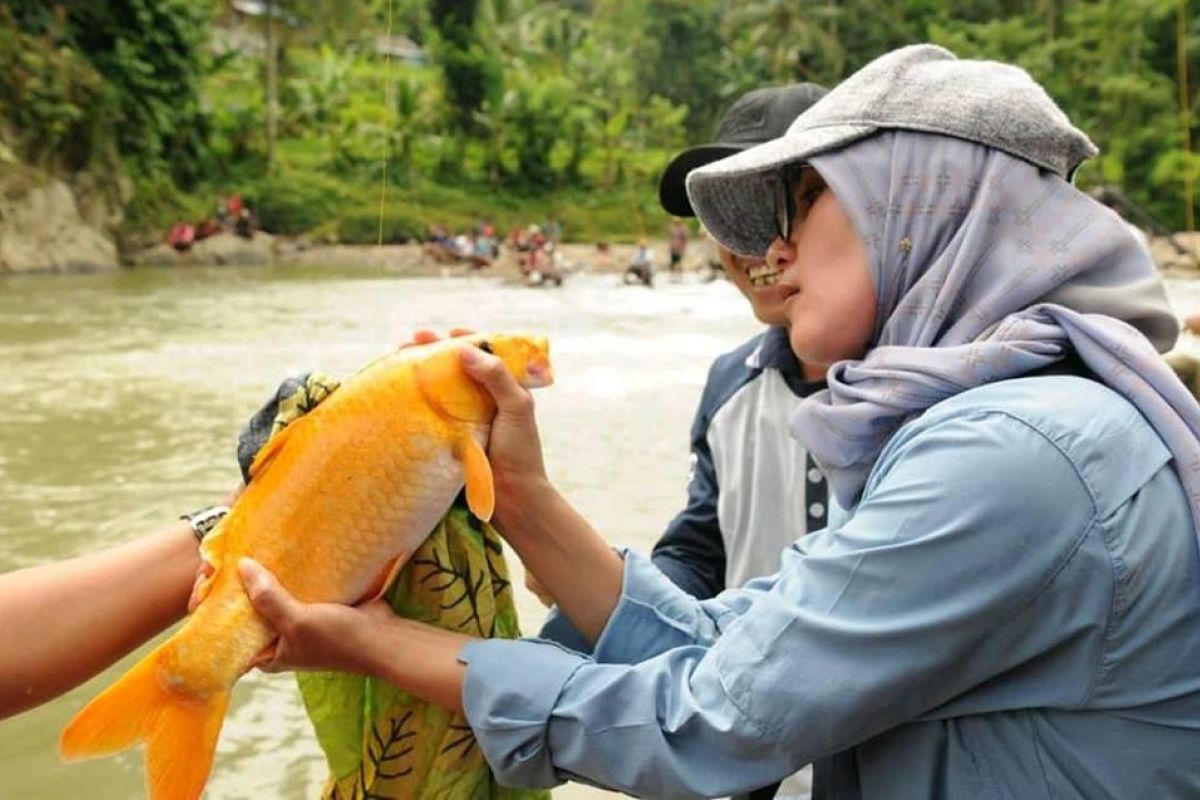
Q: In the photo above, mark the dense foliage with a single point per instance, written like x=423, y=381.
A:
x=512, y=108
x=77, y=78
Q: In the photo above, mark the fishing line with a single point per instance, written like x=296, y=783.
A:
x=1185, y=116
x=387, y=71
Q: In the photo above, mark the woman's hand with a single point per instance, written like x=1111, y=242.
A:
x=426, y=336
x=312, y=636
x=367, y=640
x=514, y=446
x=572, y=563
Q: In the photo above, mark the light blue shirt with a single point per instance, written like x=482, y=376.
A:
x=1012, y=610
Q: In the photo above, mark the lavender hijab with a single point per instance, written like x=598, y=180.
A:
x=985, y=268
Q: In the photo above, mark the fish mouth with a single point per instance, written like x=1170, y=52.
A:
x=538, y=375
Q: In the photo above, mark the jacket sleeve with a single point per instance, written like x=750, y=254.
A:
x=929, y=589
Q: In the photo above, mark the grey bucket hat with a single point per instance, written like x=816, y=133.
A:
x=921, y=88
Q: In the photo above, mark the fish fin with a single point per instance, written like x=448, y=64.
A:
x=212, y=551
x=180, y=730
x=481, y=493
x=266, y=454
x=386, y=578
x=449, y=391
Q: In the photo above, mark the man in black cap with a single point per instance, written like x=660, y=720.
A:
x=743, y=508
x=708, y=546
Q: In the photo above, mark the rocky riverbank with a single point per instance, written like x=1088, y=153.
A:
x=1180, y=257
x=407, y=259
x=47, y=225
x=45, y=228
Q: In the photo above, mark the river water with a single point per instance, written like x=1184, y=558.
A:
x=121, y=395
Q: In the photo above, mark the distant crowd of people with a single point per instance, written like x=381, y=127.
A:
x=478, y=247
x=231, y=215
x=534, y=248
x=641, y=266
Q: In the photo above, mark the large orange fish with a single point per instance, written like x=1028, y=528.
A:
x=337, y=502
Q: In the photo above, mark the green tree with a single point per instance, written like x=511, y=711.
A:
x=149, y=53
x=682, y=50
x=1099, y=64
x=54, y=105
x=471, y=72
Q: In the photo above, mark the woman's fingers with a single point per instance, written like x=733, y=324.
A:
x=310, y=635
x=489, y=371
x=268, y=596
x=232, y=497
x=422, y=336
x=265, y=660
x=514, y=448
x=428, y=336
x=200, y=586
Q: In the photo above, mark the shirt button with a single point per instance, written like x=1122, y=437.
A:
x=814, y=475
x=816, y=510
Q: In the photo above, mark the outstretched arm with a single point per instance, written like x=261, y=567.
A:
x=67, y=621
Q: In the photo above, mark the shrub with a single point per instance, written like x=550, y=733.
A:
x=295, y=202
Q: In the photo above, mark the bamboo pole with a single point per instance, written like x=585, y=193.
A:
x=390, y=104
x=272, y=84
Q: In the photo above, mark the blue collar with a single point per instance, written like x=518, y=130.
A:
x=774, y=351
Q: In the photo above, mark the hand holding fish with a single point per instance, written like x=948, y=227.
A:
x=361, y=639
x=312, y=636
x=514, y=446
x=573, y=563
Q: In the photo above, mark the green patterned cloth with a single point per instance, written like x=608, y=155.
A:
x=383, y=743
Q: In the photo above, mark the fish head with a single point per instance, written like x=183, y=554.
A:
x=526, y=357
x=446, y=387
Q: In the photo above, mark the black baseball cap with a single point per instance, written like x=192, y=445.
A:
x=757, y=116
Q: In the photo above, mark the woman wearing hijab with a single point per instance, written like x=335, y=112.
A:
x=1006, y=600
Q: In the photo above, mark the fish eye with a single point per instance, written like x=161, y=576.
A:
x=486, y=347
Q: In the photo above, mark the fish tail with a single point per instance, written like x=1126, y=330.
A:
x=179, y=728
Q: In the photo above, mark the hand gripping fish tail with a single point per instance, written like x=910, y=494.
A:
x=337, y=502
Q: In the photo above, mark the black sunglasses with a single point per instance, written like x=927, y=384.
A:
x=785, y=199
